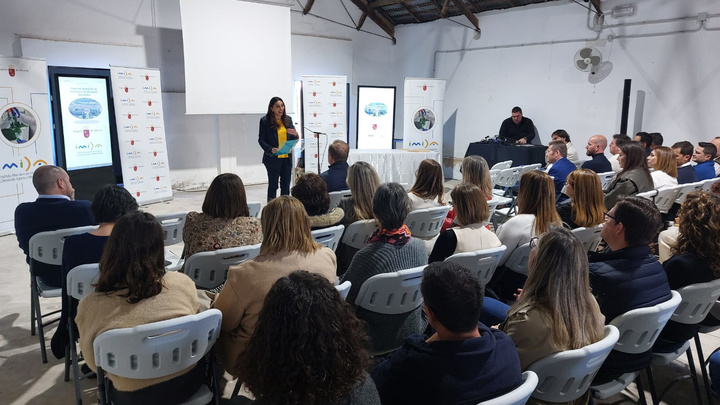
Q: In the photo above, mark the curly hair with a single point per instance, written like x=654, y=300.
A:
x=111, y=202
x=699, y=218
x=308, y=347
x=312, y=192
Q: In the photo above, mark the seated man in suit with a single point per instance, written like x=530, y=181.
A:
x=556, y=155
x=595, y=148
x=463, y=362
x=684, y=152
x=704, y=154
x=55, y=208
x=336, y=175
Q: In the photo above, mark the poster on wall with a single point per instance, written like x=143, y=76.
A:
x=141, y=133
x=423, y=128
x=26, y=133
x=325, y=112
x=375, y=117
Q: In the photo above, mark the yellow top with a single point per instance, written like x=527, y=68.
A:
x=282, y=136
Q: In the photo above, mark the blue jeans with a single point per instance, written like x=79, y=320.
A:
x=714, y=366
x=493, y=311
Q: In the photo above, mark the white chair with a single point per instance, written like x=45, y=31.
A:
x=590, y=237
x=606, y=178
x=254, y=208
x=46, y=247
x=427, y=222
x=329, y=237
x=336, y=196
x=565, y=376
x=518, y=260
x=493, y=176
x=344, y=288
x=708, y=183
x=578, y=163
x=529, y=168
x=639, y=328
x=663, y=198
x=209, y=269
x=502, y=165
x=481, y=262
x=507, y=179
x=172, y=226
x=158, y=349
x=649, y=195
x=686, y=189
x=357, y=233
x=79, y=283
x=492, y=207
x=518, y=396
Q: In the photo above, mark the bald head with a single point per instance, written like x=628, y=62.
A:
x=52, y=180
x=596, y=145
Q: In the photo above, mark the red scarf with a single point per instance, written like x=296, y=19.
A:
x=399, y=236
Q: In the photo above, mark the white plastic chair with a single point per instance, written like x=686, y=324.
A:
x=578, y=163
x=502, y=165
x=427, y=222
x=392, y=293
x=708, y=183
x=209, y=269
x=336, y=196
x=649, y=195
x=172, y=226
x=606, y=178
x=518, y=260
x=590, y=237
x=481, y=262
x=158, y=349
x=565, y=376
x=507, y=179
x=329, y=237
x=529, y=168
x=46, y=247
x=492, y=207
x=493, y=176
x=639, y=328
x=254, y=208
x=686, y=189
x=344, y=288
x=357, y=233
x=518, y=396
x=79, y=283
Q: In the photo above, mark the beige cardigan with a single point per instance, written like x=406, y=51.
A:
x=243, y=295
x=100, y=312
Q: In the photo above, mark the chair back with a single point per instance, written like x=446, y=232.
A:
x=80, y=280
x=392, y=293
x=357, y=233
x=686, y=189
x=481, y=262
x=47, y=247
x=172, y=226
x=666, y=197
x=494, y=176
x=502, y=165
x=336, y=196
x=578, y=163
x=329, y=237
x=509, y=177
x=492, y=206
x=529, y=168
x=518, y=396
x=518, y=260
x=344, y=288
x=254, y=208
x=649, y=195
x=157, y=349
x=427, y=222
x=708, y=183
x=209, y=269
x=640, y=327
x=565, y=376
x=606, y=178
x=697, y=300
x=590, y=237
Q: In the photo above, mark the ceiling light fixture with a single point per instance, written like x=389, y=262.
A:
x=628, y=10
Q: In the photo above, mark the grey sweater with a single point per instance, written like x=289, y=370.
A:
x=387, y=332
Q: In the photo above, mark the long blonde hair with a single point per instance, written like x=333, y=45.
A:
x=558, y=284
x=286, y=227
x=536, y=195
x=666, y=160
x=363, y=180
x=470, y=204
x=475, y=171
x=588, y=208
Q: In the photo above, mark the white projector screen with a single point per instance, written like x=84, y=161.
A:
x=237, y=56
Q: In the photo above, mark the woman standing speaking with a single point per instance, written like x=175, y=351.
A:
x=276, y=128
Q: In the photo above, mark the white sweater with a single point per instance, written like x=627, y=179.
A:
x=517, y=231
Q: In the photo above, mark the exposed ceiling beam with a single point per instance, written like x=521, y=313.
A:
x=597, y=5
x=443, y=13
x=470, y=16
x=437, y=5
x=361, y=21
x=377, y=18
x=308, y=6
x=411, y=12
x=382, y=3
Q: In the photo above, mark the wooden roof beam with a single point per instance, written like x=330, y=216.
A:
x=598, y=6
x=444, y=10
x=377, y=18
x=308, y=6
x=470, y=16
x=383, y=3
x=411, y=12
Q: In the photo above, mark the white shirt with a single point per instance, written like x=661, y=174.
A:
x=615, y=163
x=662, y=179
x=571, y=152
x=417, y=203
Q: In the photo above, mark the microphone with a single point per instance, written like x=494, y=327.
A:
x=314, y=132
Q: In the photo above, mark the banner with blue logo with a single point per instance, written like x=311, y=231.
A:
x=423, y=118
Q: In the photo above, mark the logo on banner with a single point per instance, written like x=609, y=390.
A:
x=149, y=102
x=90, y=146
x=19, y=124
x=85, y=108
x=314, y=94
x=11, y=70
x=147, y=77
x=374, y=126
x=333, y=84
x=336, y=93
x=424, y=119
x=135, y=180
x=376, y=109
x=152, y=128
x=126, y=89
x=425, y=143
x=424, y=87
x=23, y=164
x=130, y=128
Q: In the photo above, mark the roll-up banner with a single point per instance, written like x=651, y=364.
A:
x=423, y=127
x=325, y=111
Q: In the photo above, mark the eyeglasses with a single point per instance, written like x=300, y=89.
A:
x=533, y=242
x=611, y=217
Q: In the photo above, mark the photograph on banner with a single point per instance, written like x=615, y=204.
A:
x=423, y=114
x=324, y=112
x=375, y=117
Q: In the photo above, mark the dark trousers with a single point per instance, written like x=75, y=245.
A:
x=278, y=168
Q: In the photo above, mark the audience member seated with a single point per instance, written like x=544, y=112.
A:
x=633, y=178
x=308, y=347
x=716, y=141
x=134, y=289
x=472, y=234
x=225, y=219
x=463, y=362
x=561, y=166
x=629, y=276
x=618, y=141
x=389, y=249
x=664, y=161
x=55, y=208
x=287, y=246
x=695, y=260
x=595, y=148
x=110, y=203
x=645, y=139
x=562, y=136
x=657, y=140
x=683, y=154
x=474, y=171
x=336, y=173
x=704, y=154
x=312, y=192
x=428, y=190
x=585, y=207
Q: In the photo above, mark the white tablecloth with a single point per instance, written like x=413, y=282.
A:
x=395, y=164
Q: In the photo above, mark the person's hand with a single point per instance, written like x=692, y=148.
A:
x=432, y=338
x=518, y=293
x=292, y=131
x=274, y=150
x=521, y=141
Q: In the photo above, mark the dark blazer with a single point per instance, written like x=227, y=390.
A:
x=560, y=171
x=686, y=175
x=598, y=164
x=268, y=139
x=49, y=214
x=336, y=177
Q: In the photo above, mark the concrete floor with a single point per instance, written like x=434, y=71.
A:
x=26, y=380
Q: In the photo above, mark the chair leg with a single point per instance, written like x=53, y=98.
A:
x=693, y=375
x=32, y=309
x=67, y=363
x=38, y=319
x=706, y=379
x=641, y=390
x=236, y=390
x=74, y=361
x=651, y=382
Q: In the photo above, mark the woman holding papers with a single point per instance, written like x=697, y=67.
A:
x=276, y=128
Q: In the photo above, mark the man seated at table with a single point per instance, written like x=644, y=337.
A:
x=556, y=154
x=518, y=128
x=595, y=148
x=336, y=174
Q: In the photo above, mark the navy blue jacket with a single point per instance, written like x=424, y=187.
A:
x=598, y=164
x=705, y=170
x=336, y=177
x=268, y=139
x=560, y=171
x=686, y=175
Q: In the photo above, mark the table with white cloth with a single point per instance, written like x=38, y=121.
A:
x=396, y=165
